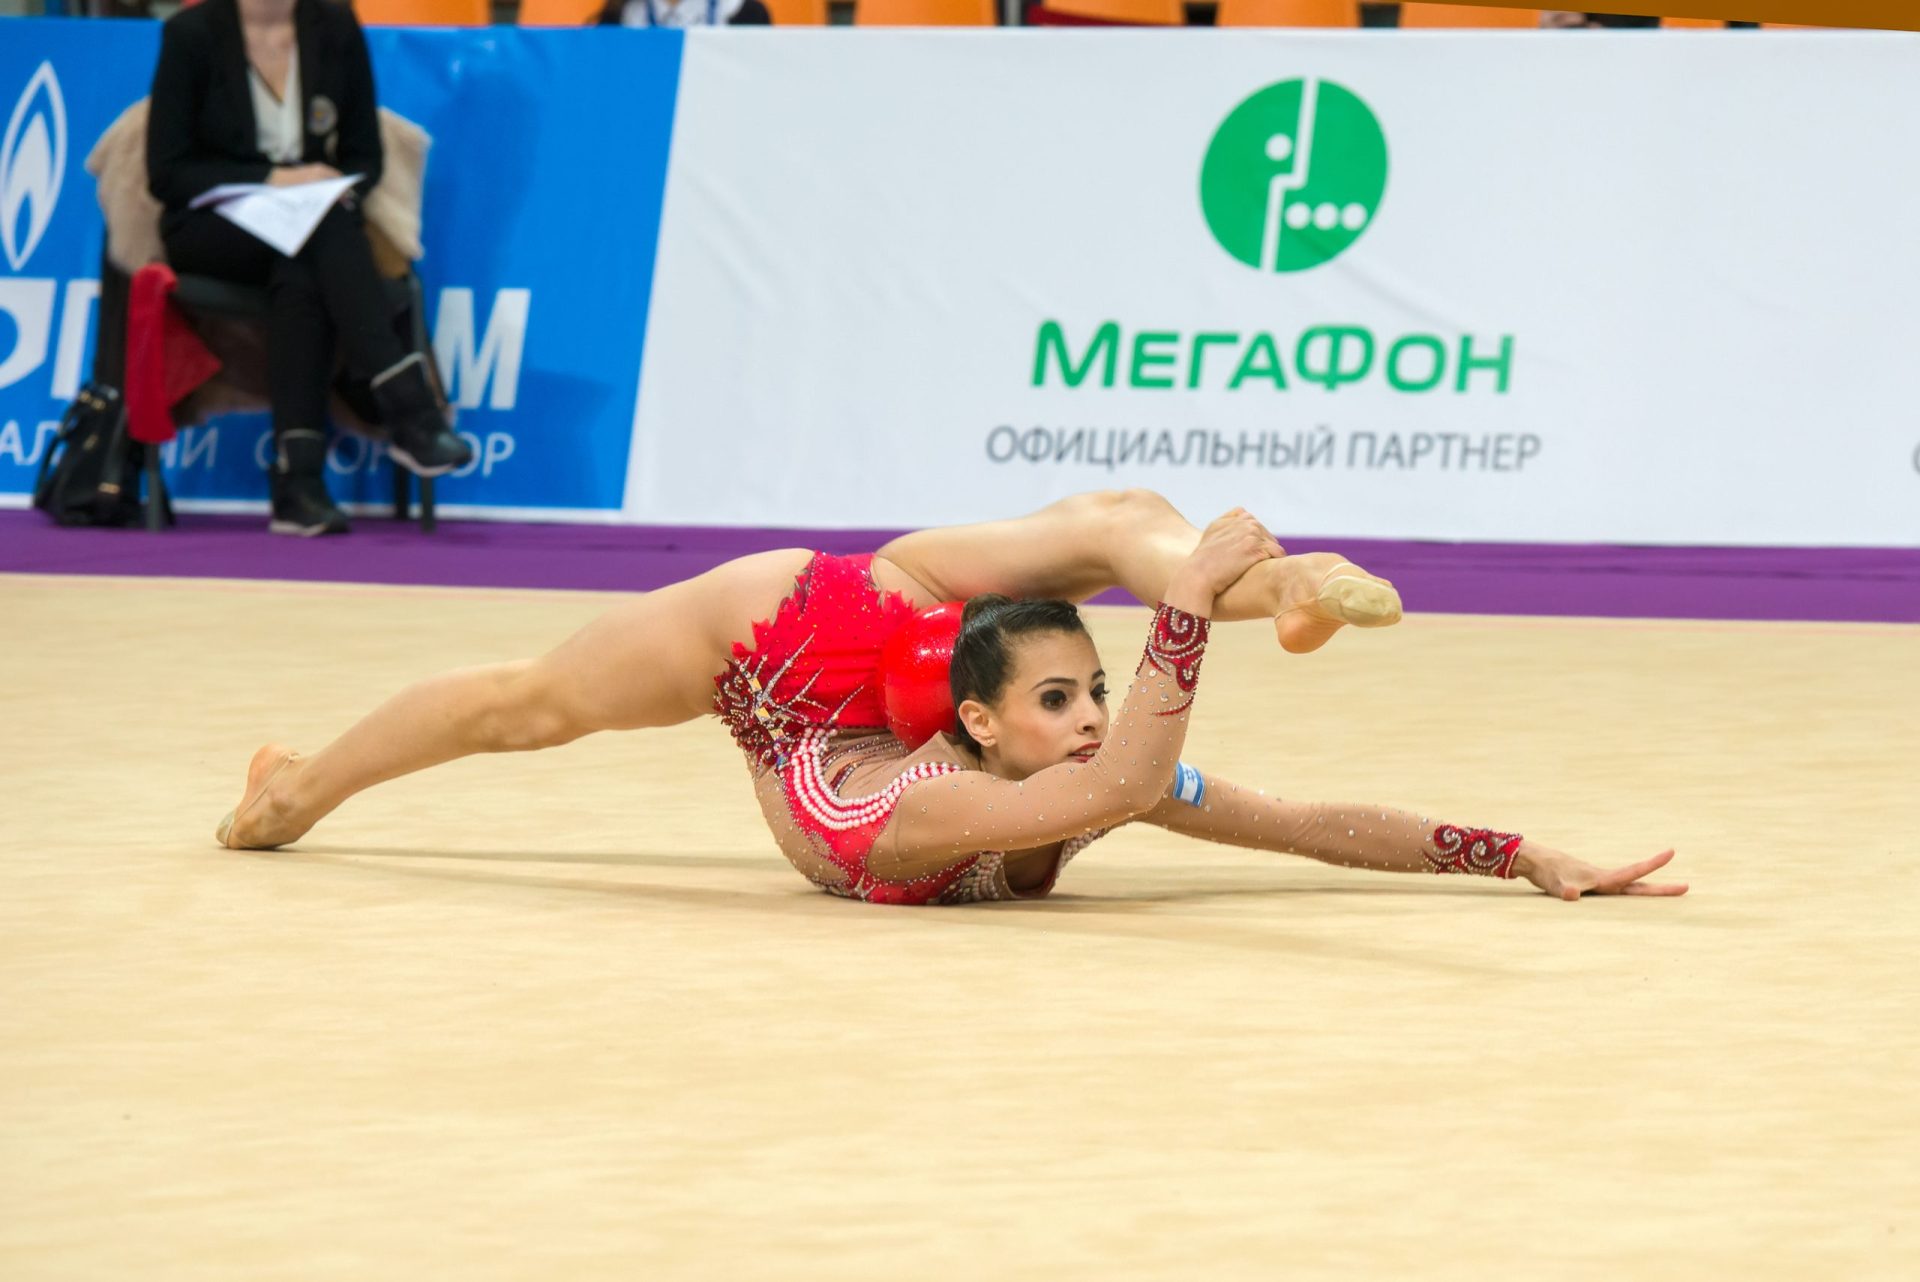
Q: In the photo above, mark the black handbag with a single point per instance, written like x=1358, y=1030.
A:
x=91, y=472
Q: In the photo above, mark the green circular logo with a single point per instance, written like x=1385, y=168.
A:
x=1294, y=175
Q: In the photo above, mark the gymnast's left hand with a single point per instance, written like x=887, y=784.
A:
x=1564, y=877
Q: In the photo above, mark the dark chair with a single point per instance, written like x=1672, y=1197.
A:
x=209, y=296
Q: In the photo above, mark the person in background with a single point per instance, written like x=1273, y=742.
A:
x=281, y=92
x=1562, y=19
x=685, y=13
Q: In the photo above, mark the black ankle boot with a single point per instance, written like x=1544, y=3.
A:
x=420, y=440
x=298, y=484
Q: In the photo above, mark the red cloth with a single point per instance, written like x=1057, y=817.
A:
x=165, y=358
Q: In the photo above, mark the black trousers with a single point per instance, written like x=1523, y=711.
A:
x=328, y=296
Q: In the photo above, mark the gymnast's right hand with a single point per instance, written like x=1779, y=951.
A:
x=1228, y=548
x=1564, y=877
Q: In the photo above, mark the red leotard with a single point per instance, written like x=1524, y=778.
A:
x=805, y=704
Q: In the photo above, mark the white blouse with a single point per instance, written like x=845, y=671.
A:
x=277, y=120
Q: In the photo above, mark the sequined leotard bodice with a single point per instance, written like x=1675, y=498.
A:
x=861, y=816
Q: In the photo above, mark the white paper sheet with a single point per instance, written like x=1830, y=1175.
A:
x=283, y=217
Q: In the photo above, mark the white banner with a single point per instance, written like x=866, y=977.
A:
x=1648, y=287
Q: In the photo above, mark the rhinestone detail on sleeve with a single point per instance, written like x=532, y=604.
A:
x=1480, y=851
x=1175, y=645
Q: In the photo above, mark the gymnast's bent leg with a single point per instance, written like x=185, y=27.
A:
x=1135, y=540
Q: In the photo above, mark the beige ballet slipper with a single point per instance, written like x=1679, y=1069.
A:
x=265, y=767
x=1356, y=598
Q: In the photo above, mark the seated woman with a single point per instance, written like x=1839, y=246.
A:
x=1034, y=767
x=281, y=92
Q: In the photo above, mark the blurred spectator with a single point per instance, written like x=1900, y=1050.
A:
x=1561, y=19
x=685, y=13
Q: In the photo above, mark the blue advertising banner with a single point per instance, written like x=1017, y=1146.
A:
x=541, y=220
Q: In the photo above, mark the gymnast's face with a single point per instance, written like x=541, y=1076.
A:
x=1053, y=708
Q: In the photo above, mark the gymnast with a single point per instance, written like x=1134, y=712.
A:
x=1031, y=768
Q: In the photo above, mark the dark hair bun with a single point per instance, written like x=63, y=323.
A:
x=982, y=610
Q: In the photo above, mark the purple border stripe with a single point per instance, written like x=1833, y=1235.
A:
x=1835, y=584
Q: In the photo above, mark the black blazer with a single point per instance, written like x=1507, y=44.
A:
x=200, y=126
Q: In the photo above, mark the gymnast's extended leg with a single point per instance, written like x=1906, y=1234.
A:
x=648, y=662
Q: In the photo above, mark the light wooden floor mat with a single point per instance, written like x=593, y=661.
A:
x=571, y=1016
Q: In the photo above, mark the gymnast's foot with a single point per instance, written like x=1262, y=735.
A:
x=1322, y=594
x=265, y=817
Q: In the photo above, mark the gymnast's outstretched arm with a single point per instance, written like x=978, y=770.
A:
x=1384, y=839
